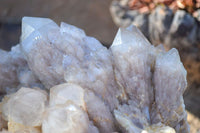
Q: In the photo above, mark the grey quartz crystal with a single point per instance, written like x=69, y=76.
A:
x=68, y=82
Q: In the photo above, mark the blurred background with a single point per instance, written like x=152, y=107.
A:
x=173, y=23
x=91, y=15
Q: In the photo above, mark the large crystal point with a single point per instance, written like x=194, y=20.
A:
x=133, y=60
x=42, y=56
x=169, y=88
x=65, y=54
x=153, y=82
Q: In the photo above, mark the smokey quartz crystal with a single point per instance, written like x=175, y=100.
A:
x=65, y=82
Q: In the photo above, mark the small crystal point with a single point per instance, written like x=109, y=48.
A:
x=71, y=30
x=30, y=24
x=123, y=35
x=129, y=35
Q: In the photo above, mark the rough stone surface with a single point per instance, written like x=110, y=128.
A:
x=14, y=71
x=130, y=87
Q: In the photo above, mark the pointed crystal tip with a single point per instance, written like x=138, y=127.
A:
x=30, y=24
x=128, y=35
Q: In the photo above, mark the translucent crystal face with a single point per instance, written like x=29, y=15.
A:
x=131, y=87
x=30, y=24
x=60, y=94
x=65, y=118
x=25, y=102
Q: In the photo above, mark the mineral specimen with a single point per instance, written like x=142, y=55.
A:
x=25, y=109
x=131, y=87
x=14, y=71
x=173, y=28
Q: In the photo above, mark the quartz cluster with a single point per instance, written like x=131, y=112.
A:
x=59, y=80
x=173, y=28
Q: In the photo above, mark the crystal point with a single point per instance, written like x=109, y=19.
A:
x=30, y=24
